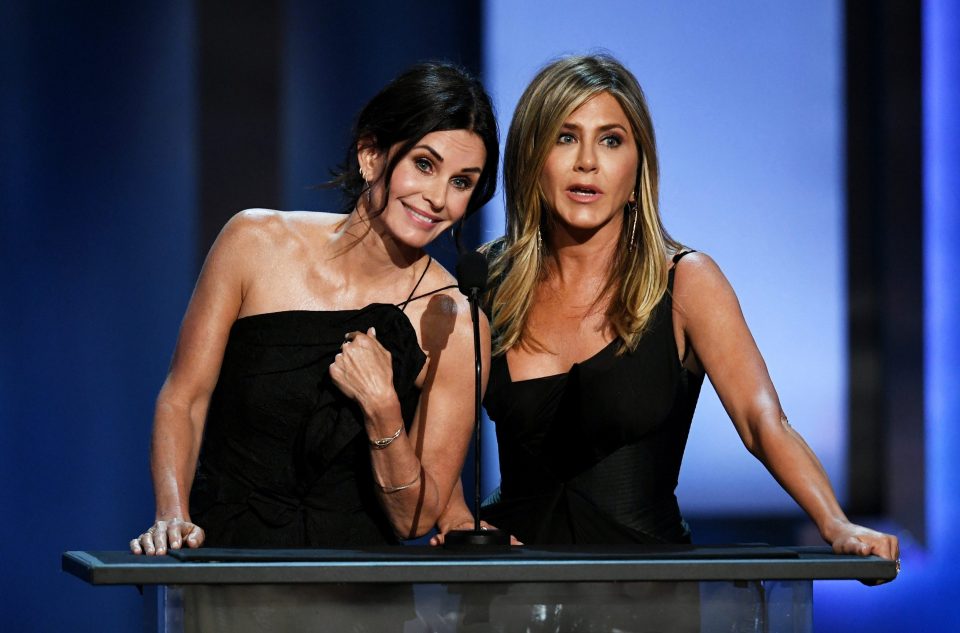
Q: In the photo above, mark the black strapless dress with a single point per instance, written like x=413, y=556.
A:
x=285, y=460
x=592, y=456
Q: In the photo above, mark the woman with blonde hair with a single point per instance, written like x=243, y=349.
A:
x=603, y=330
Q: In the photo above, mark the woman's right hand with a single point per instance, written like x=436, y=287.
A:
x=167, y=534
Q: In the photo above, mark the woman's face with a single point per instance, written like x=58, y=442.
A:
x=591, y=172
x=430, y=186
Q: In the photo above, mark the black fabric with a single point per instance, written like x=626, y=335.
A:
x=593, y=456
x=285, y=459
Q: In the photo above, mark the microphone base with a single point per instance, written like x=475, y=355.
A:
x=470, y=539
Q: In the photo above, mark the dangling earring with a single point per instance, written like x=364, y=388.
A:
x=366, y=187
x=539, y=241
x=632, y=206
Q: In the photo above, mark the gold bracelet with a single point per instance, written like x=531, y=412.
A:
x=384, y=442
x=391, y=489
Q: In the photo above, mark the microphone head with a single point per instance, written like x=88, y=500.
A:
x=471, y=272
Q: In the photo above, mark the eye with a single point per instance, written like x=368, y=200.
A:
x=423, y=164
x=612, y=141
x=566, y=138
x=462, y=183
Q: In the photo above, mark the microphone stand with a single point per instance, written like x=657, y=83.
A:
x=477, y=537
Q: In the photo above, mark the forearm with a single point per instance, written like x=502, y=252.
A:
x=174, y=450
x=407, y=489
x=795, y=466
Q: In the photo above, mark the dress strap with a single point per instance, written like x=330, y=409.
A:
x=410, y=297
x=679, y=256
x=676, y=259
x=403, y=306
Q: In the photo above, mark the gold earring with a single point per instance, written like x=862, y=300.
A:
x=633, y=207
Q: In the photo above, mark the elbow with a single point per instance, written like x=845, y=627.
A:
x=751, y=444
x=418, y=518
x=412, y=533
x=760, y=433
x=414, y=528
x=748, y=428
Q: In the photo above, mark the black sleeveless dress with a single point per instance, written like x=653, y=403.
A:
x=285, y=460
x=593, y=456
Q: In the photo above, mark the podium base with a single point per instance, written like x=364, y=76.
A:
x=469, y=539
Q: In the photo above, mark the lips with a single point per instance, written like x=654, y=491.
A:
x=583, y=193
x=421, y=218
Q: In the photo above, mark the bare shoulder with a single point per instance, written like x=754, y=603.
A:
x=702, y=296
x=250, y=230
x=455, y=303
x=697, y=275
x=268, y=227
x=444, y=316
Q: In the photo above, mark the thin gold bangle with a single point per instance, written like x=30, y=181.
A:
x=391, y=489
x=384, y=442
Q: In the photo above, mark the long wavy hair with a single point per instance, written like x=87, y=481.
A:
x=637, y=279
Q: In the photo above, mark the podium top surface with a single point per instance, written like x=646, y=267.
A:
x=412, y=564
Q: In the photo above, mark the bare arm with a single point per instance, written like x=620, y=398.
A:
x=707, y=309
x=456, y=516
x=181, y=407
x=415, y=473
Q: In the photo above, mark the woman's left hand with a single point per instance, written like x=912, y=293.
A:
x=850, y=538
x=363, y=371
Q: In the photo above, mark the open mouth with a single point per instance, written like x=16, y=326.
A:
x=583, y=192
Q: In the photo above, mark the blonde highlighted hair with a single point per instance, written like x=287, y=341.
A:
x=638, y=276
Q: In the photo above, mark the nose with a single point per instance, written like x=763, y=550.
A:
x=586, y=158
x=436, y=194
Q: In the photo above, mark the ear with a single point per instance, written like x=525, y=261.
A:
x=370, y=159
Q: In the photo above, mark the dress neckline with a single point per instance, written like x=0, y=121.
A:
x=401, y=307
x=560, y=375
x=277, y=313
x=670, y=274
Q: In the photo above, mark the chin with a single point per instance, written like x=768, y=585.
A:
x=417, y=238
x=585, y=222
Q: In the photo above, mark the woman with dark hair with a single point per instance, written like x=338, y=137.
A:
x=603, y=330
x=316, y=394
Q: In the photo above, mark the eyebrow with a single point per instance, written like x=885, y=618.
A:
x=439, y=158
x=602, y=128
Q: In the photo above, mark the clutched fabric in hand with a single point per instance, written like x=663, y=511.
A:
x=285, y=460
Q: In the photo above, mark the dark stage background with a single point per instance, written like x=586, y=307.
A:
x=129, y=132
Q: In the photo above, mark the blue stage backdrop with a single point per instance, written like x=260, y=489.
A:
x=746, y=100
x=99, y=230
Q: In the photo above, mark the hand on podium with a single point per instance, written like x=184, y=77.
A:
x=168, y=533
x=466, y=524
x=850, y=538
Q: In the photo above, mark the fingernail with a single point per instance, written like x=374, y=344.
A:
x=373, y=331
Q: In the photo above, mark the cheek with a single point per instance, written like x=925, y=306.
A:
x=626, y=176
x=457, y=204
x=402, y=182
x=548, y=179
